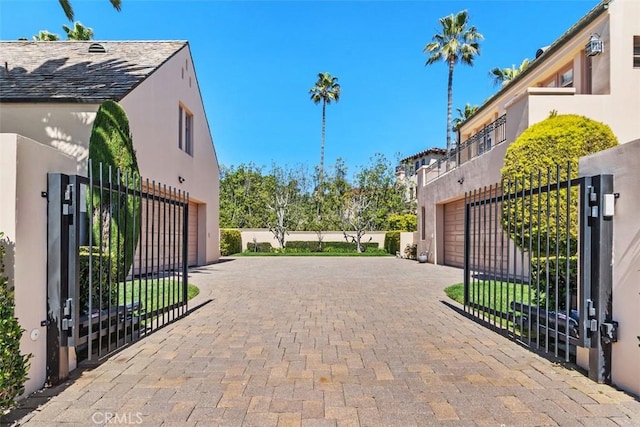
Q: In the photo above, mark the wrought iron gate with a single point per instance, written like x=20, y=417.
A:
x=117, y=263
x=538, y=254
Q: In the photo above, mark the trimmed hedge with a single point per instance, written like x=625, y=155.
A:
x=13, y=365
x=259, y=247
x=392, y=242
x=230, y=241
x=104, y=266
x=561, y=268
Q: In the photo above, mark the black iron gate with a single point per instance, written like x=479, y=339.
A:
x=538, y=254
x=117, y=263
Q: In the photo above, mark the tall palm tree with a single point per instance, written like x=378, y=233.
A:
x=68, y=9
x=458, y=42
x=325, y=90
x=502, y=76
x=78, y=32
x=46, y=36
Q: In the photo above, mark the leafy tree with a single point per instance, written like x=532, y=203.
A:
x=284, y=203
x=244, y=194
x=46, y=36
x=402, y=222
x=373, y=198
x=68, y=8
x=111, y=145
x=502, y=76
x=78, y=32
x=458, y=42
x=325, y=90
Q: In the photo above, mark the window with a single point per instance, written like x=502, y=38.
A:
x=566, y=78
x=636, y=51
x=423, y=227
x=185, y=130
x=417, y=165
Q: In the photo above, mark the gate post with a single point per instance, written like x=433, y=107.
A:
x=601, y=280
x=58, y=214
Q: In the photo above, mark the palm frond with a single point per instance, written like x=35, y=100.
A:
x=67, y=9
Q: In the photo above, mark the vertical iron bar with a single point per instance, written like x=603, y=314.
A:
x=567, y=284
x=539, y=226
x=547, y=338
x=467, y=248
x=474, y=264
x=557, y=262
x=90, y=209
x=153, y=227
x=164, y=255
x=185, y=272
x=515, y=249
x=483, y=236
x=502, y=255
x=491, y=271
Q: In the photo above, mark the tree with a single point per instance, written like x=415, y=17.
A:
x=458, y=42
x=69, y=13
x=325, y=90
x=284, y=203
x=78, y=32
x=374, y=196
x=111, y=145
x=244, y=194
x=46, y=36
x=502, y=76
x=463, y=114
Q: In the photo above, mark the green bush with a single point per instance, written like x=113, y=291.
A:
x=539, y=272
x=301, y=246
x=111, y=144
x=402, y=222
x=103, y=267
x=558, y=140
x=343, y=247
x=259, y=247
x=230, y=241
x=392, y=242
x=13, y=365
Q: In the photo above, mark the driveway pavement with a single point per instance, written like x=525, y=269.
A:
x=329, y=342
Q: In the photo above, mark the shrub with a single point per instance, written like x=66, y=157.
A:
x=103, y=267
x=558, y=140
x=13, y=365
x=402, y=222
x=539, y=272
x=111, y=144
x=392, y=242
x=259, y=247
x=342, y=247
x=230, y=241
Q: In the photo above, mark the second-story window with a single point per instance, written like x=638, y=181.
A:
x=185, y=130
x=566, y=78
x=636, y=51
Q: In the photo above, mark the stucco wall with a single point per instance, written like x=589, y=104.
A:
x=622, y=162
x=153, y=110
x=262, y=235
x=66, y=127
x=23, y=219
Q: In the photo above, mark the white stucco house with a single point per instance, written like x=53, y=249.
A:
x=49, y=95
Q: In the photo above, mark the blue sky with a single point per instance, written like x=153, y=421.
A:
x=257, y=60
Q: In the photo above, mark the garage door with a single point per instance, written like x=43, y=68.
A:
x=192, y=248
x=454, y=233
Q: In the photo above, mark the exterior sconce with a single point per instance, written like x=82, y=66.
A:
x=181, y=179
x=594, y=46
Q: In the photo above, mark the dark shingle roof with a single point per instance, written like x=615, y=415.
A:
x=65, y=71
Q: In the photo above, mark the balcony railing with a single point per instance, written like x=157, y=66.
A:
x=492, y=134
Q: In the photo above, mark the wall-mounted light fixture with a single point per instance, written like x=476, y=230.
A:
x=181, y=179
x=461, y=180
x=594, y=46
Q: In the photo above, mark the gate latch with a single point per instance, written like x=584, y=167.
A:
x=609, y=332
x=67, y=321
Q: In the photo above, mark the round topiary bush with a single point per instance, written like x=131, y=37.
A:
x=546, y=153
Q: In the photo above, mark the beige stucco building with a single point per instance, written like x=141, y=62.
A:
x=602, y=85
x=49, y=95
x=592, y=70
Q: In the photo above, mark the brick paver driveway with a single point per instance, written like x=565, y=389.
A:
x=326, y=342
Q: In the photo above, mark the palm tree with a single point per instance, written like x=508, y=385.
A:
x=78, y=32
x=325, y=90
x=502, y=76
x=68, y=9
x=458, y=42
x=46, y=36
x=463, y=114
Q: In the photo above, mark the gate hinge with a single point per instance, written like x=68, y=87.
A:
x=592, y=323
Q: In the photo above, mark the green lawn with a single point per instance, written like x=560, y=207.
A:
x=494, y=295
x=154, y=294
